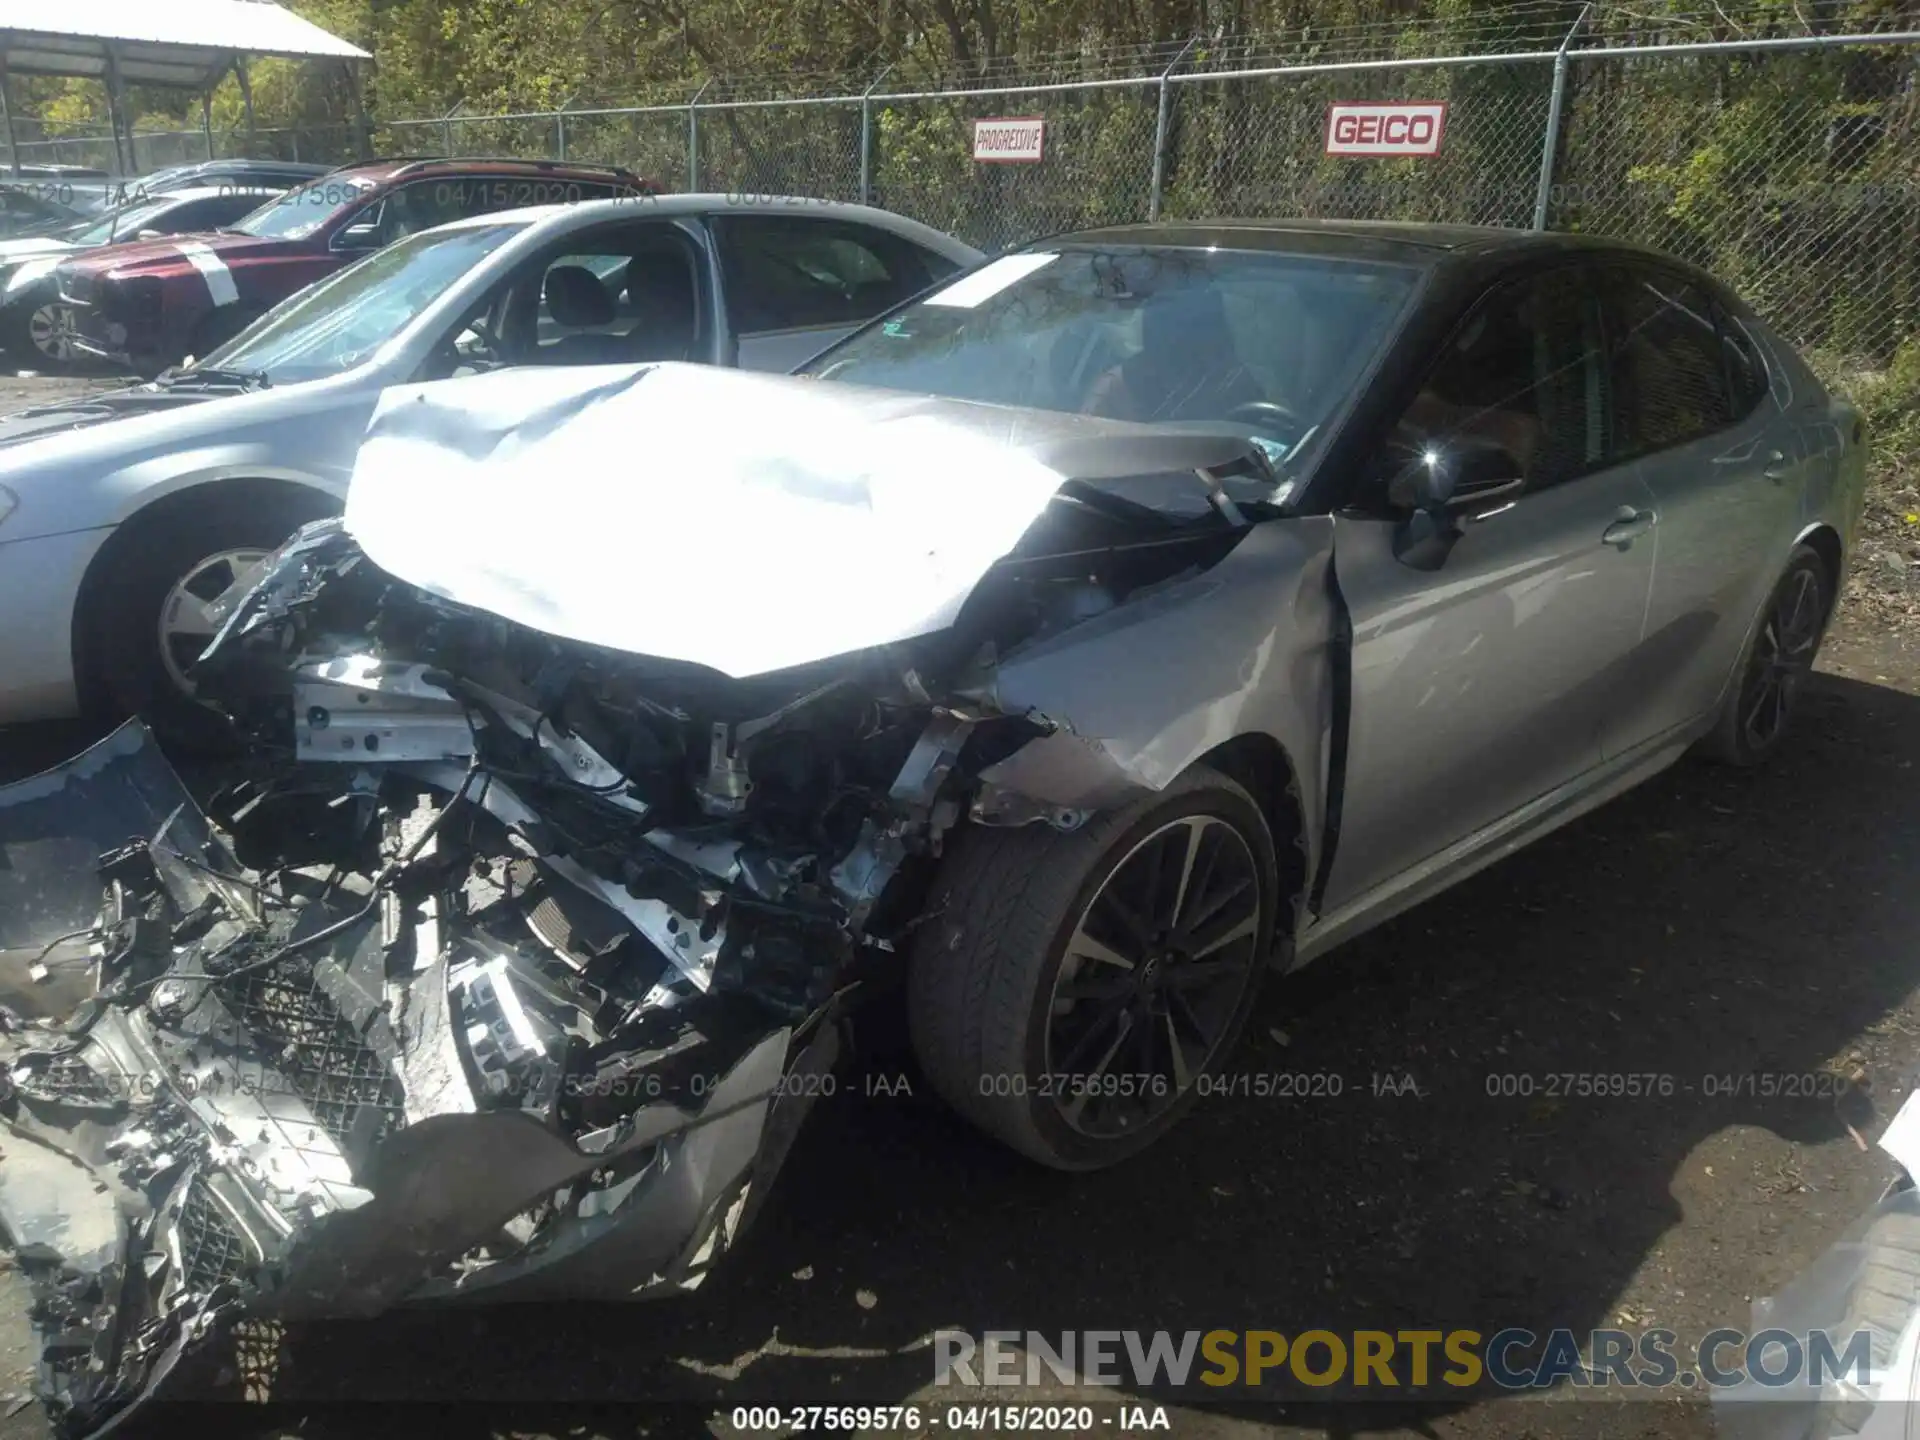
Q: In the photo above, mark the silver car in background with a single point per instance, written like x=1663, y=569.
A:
x=124, y=515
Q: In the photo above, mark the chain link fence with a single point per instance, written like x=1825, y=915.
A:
x=1803, y=197
x=1790, y=166
x=1242, y=147
x=1096, y=166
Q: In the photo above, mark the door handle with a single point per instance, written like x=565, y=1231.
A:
x=1628, y=524
x=1776, y=466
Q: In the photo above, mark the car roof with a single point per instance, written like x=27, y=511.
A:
x=230, y=167
x=589, y=212
x=1375, y=239
x=393, y=166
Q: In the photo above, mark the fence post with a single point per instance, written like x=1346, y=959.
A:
x=693, y=138
x=246, y=99
x=866, y=137
x=1161, y=118
x=560, y=129
x=1555, y=103
x=446, y=128
x=6, y=117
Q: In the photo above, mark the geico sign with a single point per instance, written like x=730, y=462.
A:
x=1364, y=129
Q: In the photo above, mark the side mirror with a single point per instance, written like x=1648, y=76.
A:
x=364, y=236
x=146, y=235
x=1447, y=478
x=1455, y=474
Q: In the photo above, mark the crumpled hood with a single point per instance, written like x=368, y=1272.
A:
x=748, y=523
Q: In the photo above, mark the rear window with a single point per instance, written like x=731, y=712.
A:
x=790, y=272
x=1668, y=371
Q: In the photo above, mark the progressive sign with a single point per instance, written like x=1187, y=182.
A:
x=1363, y=128
x=1011, y=138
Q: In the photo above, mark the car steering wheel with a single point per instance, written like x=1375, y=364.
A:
x=490, y=347
x=1273, y=417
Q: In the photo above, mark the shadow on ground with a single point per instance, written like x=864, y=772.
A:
x=1711, y=924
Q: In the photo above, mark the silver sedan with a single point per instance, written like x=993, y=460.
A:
x=1125, y=618
x=123, y=516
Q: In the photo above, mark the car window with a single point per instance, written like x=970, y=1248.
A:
x=1665, y=360
x=1746, y=372
x=625, y=295
x=300, y=213
x=123, y=223
x=1523, y=373
x=1266, y=345
x=340, y=321
x=21, y=205
x=786, y=272
x=208, y=214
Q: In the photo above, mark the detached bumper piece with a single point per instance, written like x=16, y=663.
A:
x=403, y=1062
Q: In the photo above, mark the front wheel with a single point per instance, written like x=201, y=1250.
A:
x=40, y=332
x=146, y=617
x=1077, y=991
x=1765, y=691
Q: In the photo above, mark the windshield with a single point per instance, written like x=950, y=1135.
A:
x=334, y=325
x=1267, y=345
x=298, y=213
x=121, y=224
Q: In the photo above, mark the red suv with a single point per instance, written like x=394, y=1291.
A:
x=152, y=304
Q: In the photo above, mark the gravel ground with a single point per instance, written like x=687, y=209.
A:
x=1708, y=924
x=19, y=391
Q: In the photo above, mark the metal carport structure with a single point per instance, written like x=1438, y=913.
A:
x=186, y=44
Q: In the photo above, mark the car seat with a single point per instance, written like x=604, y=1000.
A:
x=577, y=300
x=661, y=289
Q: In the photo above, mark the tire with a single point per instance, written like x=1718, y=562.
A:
x=986, y=1022
x=23, y=320
x=121, y=612
x=1804, y=590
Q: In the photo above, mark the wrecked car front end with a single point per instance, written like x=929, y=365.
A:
x=508, y=966
x=321, y=1089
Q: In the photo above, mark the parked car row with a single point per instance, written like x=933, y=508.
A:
x=42, y=195
x=1066, y=639
x=36, y=325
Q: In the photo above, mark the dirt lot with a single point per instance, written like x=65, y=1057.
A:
x=1709, y=924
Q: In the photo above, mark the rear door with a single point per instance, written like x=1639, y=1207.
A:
x=1482, y=683
x=796, y=283
x=1693, y=407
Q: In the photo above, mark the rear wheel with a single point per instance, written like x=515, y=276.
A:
x=1760, y=701
x=145, y=617
x=1079, y=988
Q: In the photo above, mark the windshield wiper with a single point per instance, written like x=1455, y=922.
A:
x=212, y=375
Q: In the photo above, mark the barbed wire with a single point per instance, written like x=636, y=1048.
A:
x=1522, y=27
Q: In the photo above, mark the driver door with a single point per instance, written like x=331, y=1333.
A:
x=630, y=322
x=1482, y=682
